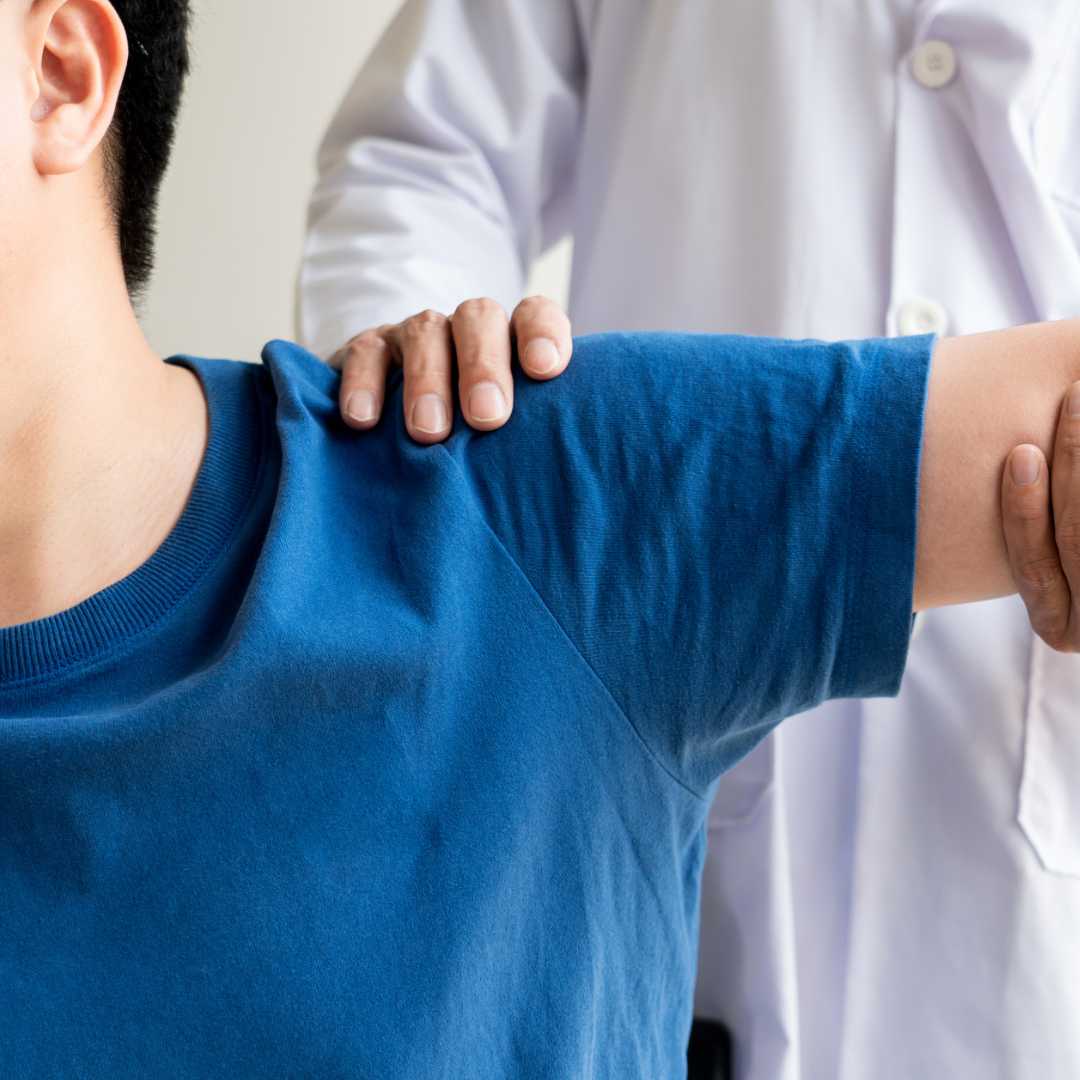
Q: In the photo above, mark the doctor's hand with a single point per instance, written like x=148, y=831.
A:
x=474, y=347
x=1041, y=512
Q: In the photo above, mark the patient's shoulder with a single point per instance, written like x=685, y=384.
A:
x=311, y=432
x=301, y=381
x=307, y=394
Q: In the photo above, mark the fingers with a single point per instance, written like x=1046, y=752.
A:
x=364, y=363
x=1033, y=552
x=542, y=332
x=425, y=349
x=479, y=338
x=481, y=334
x=1065, y=488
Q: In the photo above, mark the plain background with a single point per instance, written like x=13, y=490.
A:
x=265, y=81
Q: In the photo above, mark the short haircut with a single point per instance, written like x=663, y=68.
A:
x=140, y=141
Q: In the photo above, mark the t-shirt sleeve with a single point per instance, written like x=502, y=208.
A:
x=723, y=527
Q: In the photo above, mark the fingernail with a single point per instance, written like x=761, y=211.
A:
x=429, y=414
x=361, y=406
x=541, y=356
x=486, y=403
x=1025, y=465
x=1074, y=400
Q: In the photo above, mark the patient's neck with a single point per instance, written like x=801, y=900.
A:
x=100, y=441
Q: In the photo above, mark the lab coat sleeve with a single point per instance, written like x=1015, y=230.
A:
x=448, y=167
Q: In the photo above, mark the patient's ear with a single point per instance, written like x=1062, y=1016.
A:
x=80, y=53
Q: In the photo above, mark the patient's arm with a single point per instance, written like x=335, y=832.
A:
x=988, y=393
x=724, y=529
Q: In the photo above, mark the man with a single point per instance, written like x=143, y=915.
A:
x=430, y=799
x=879, y=902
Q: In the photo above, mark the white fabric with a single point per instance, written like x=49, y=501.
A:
x=893, y=888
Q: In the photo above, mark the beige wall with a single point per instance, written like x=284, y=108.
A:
x=266, y=78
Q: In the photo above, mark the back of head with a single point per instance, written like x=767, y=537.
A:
x=139, y=143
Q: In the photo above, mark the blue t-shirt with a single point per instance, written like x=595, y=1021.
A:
x=394, y=761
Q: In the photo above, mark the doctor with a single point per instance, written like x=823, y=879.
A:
x=882, y=899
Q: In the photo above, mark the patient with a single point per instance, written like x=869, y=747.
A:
x=325, y=754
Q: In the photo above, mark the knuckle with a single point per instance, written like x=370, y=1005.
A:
x=411, y=334
x=1050, y=637
x=1040, y=575
x=430, y=318
x=1067, y=436
x=480, y=308
x=423, y=324
x=533, y=306
x=1067, y=535
x=1049, y=618
x=367, y=341
x=1028, y=511
x=1053, y=633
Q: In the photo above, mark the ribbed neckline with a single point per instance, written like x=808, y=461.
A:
x=220, y=498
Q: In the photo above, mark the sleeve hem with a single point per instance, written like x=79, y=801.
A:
x=884, y=487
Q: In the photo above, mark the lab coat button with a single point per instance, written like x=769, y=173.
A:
x=921, y=316
x=933, y=64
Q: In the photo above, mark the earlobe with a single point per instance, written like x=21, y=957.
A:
x=81, y=51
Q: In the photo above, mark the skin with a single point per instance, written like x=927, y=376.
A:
x=1044, y=548
x=99, y=441
x=981, y=533
x=95, y=471
x=476, y=340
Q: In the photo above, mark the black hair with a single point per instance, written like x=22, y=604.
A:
x=140, y=141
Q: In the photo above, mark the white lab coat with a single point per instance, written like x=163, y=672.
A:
x=893, y=887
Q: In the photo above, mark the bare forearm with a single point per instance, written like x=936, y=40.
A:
x=988, y=393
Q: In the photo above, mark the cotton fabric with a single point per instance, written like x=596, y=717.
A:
x=895, y=903
x=395, y=761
